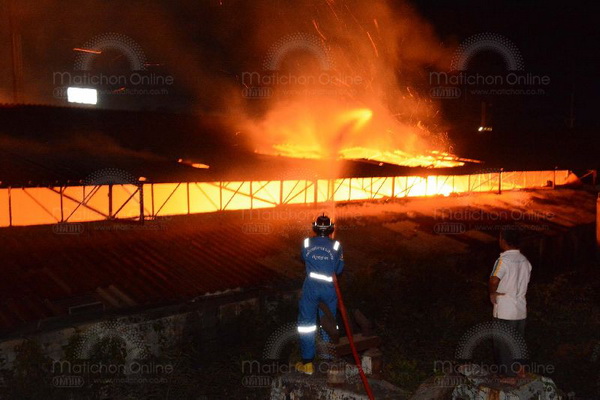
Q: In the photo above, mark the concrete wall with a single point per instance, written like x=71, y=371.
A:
x=155, y=330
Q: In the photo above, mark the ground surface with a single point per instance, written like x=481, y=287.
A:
x=418, y=269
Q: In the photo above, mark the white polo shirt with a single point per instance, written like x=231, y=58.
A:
x=514, y=270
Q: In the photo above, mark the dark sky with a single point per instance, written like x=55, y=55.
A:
x=555, y=38
x=205, y=46
x=558, y=39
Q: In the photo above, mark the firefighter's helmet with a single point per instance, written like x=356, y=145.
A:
x=323, y=226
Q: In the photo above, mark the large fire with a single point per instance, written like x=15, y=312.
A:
x=343, y=86
x=329, y=131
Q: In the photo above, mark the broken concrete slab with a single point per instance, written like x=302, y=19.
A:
x=295, y=385
x=460, y=387
x=532, y=387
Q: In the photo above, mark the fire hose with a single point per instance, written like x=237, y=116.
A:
x=363, y=377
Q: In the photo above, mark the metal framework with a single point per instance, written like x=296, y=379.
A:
x=64, y=204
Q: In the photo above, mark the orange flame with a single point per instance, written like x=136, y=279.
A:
x=327, y=131
x=341, y=90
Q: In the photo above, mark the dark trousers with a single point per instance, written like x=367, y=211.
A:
x=507, y=346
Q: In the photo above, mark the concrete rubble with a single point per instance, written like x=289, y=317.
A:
x=483, y=386
x=295, y=385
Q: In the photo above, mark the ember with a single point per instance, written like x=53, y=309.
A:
x=376, y=115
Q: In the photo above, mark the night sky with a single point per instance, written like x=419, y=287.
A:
x=555, y=39
x=205, y=46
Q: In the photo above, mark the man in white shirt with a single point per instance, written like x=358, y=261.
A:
x=507, y=289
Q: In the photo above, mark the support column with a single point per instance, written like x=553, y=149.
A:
x=187, y=184
x=598, y=221
x=62, y=210
x=152, y=193
x=9, y=206
x=500, y=181
x=220, y=195
x=110, y=201
x=251, y=197
x=141, y=191
x=280, y=193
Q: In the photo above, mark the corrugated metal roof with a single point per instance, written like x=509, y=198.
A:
x=41, y=146
x=44, y=274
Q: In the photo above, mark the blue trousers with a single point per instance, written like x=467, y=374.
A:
x=313, y=292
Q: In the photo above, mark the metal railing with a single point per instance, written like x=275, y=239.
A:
x=63, y=204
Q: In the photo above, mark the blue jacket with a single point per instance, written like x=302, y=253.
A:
x=323, y=256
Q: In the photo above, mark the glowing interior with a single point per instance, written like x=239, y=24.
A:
x=42, y=205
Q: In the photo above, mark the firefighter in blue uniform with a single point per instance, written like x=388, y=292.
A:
x=323, y=258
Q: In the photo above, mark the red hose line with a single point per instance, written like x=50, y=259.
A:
x=351, y=340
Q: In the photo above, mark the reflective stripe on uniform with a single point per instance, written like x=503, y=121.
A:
x=336, y=245
x=307, y=328
x=314, y=275
x=306, y=242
